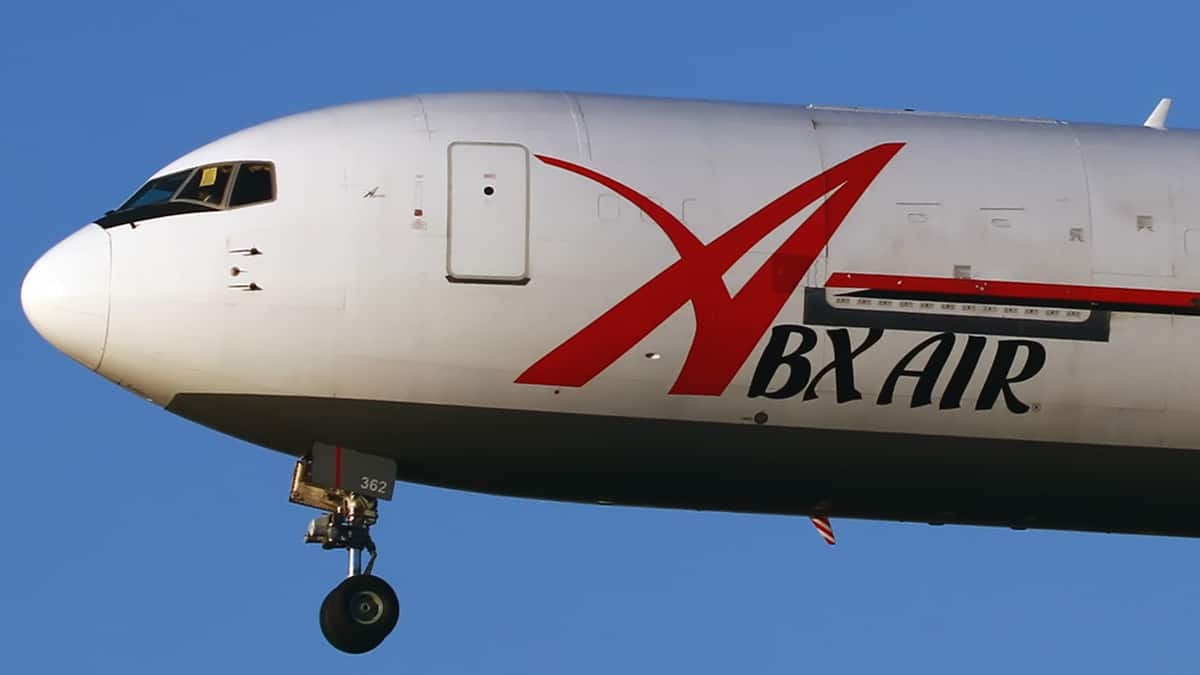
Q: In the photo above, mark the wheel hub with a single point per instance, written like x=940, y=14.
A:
x=366, y=607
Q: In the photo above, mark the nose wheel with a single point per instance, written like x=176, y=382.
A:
x=362, y=610
x=359, y=613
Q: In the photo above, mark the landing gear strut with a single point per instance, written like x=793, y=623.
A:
x=361, y=611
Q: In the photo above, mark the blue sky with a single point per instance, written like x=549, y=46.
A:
x=165, y=546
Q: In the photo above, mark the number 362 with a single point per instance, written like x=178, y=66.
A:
x=373, y=485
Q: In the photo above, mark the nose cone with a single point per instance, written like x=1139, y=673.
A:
x=65, y=295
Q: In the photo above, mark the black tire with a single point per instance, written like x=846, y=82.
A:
x=334, y=634
x=359, y=613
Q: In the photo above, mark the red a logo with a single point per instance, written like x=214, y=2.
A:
x=727, y=327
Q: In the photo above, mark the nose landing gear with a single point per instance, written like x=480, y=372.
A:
x=362, y=610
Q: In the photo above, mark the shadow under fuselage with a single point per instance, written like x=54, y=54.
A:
x=735, y=467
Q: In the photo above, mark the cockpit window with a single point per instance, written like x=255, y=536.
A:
x=156, y=191
x=212, y=187
x=255, y=183
x=207, y=185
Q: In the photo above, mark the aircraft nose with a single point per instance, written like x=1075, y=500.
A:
x=65, y=295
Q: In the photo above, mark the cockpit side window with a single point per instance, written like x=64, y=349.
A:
x=255, y=183
x=207, y=185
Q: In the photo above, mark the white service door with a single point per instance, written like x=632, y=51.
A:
x=489, y=213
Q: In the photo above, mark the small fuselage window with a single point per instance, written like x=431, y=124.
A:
x=213, y=187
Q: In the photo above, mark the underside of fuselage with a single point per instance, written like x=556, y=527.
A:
x=735, y=467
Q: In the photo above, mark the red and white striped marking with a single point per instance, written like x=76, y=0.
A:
x=825, y=528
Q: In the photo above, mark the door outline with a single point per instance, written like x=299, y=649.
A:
x=524, y=278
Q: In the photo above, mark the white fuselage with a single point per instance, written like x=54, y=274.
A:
x=446, y=260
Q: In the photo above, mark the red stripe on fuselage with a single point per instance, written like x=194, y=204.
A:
x=1017, y=290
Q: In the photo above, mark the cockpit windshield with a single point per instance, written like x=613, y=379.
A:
x=156, y=191
x=213, y=187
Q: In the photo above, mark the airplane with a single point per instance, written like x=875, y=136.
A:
x=830, y=312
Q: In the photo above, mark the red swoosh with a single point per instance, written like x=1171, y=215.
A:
x=727, y=328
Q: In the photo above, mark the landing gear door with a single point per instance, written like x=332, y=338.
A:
x=339, y=468
x=488, y=234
